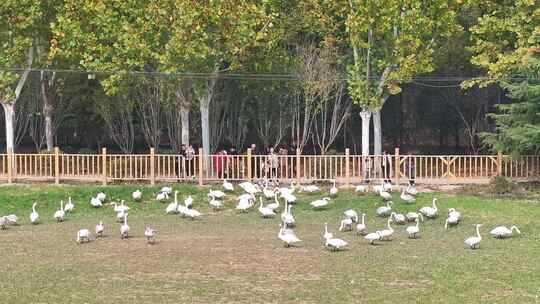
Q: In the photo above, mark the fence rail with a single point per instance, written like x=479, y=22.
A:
x=345, y=169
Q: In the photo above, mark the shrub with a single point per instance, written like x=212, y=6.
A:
x=501, y=185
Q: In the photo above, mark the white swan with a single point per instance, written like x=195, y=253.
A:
x=99, y=229
x=387, y=233
x=150, y=234
x=430, y=211
x=167, y=190
x=289, y=239
x=411, y=190
x=321, y=203
x=412, y=216
x=346, y=225
x=275, y=204
x=34, y=216
x=360, y=189
x=335, y=244
x=385, y=210
x=161, y=196
x=69, y=207
x=311, y=189
x=227, y=185
x=407, y=198
x=372, y=237
x=385, y=195
x=265, y=212
x=137, y=195
x=217, y=194
x=289, y=197
x=327, y=234
x=413, y=230
x=124, y=229
x=353, y=215
x=474, y=241
x=120, y=216
x=95, y=202
x=248, y=187
x=398, y=218
x=216, y=205
x=334, y=190
x=3, y=222
x=387, y=186
x=502, y=232
x=83, y=235
x=192, y=213
x=12, y=219
x=244, y=204
x=287, y=217
x=268, y=193
x=59, y=215
x=361, y=228
x=172, y=208
x=453, y=218
x=123, y=206
x=188, y=202
x=101, y=196
x=454, y=213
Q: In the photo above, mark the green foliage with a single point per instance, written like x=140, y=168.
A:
x=518, y=123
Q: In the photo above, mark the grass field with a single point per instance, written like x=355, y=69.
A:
x=227, y=257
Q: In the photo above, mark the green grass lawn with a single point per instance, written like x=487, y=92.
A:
x=226, y=257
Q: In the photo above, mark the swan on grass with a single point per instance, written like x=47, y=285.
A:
x=407, y=198
x=353, y=215
x=327, y=234
x=411, y=189
x=99, y=229
x=474, y=241
x=361, y=228
x=372, y=237
x=289, y=198
x=414, y=230
x=120, y=216
x=267, y=192
x=101, y=196
x=502, y=232
x=311, y=189
x=430, y=211
x=346, y=225
x=264, y=211
x=275, y=204
x=453, y=218
x=321, y=203
x=124, y=229
x=216, y=205
x=360, y=189
x=167, y=190
x=387, y=233
x=172, y=208
x=192, y=213
x=216, y=193
x=412, y=216
x=95, y=202
x=335, y=244
x=12, y=220
x=334, y=190
x=244, y=204
x=288, y=217
x=59, y=215
x=386, y=196
x=161, y=196
x=150, y=234
x=137, y=195
x=83, y=235
x=384, y=211
x=227, y=185
x=34, y=216
x=188, y=202
x=289, y=239
x=454, y=213
x=69, y=207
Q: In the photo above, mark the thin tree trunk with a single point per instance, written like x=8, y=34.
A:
x=184, y=117
x=377, y=132
x=48, y=97
x=205, y=125
x=366, y=117
x=9, y=112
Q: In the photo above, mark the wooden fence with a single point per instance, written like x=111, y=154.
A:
x=345, y=169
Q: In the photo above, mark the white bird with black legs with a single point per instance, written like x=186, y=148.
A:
x=430, y=211
x=217, y=194
x=101, y=196
x=228, y=186
x=346, y=224
x=69, y=207
x=59, y=214
x=83, y=235
x=289, y=239
x=264, y=211
x=100, y=229
x=414, y=230
x=124, y=229
x=352, y=214
x=502, y=232
x=137, y=195
x=167, y=190
x=361, y=228
x=321, y=203
x=327, y=234
x=412, y=216
x=474, y=241
x=407, y=198
x=150, y=234
x=34, y=216
x=387, y=233
x=161, y=196
x=398, y=218
x=372, y=237
x=384, y=211
x=95, y=202
x=334, y=190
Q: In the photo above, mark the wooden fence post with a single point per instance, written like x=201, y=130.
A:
x=152, y=166
x=249, y=168
x=201, y=159
x=396, y=166
x=56, y=165
x=298, y=173
x=499, y=163
x=347, y=169
x=10, y=165
x=104, y=166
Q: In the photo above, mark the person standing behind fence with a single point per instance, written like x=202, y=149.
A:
x=254, y=160
x=273, y=164
x=411, y=170
x=367, y=169
x=387, y=167
x=189, y=155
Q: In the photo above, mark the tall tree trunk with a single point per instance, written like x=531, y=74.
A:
x=48, y=97
x=366, y=117
x=49, y=133
x=186, y=101
x=184, y=117
x=377, y=132
x=9, y=112
x=205, y=124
